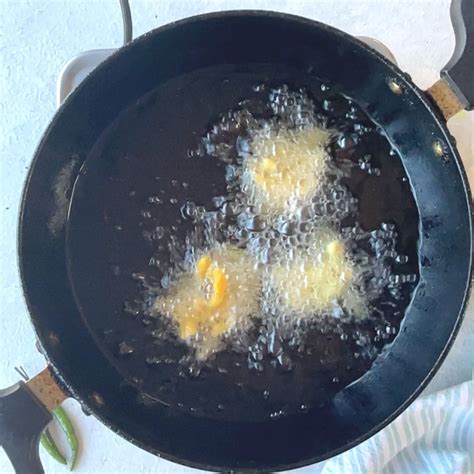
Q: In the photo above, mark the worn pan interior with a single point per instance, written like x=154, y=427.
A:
x=243, y=40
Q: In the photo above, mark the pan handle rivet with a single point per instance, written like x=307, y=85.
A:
x=395, y=87
x=438, y=148
x=53, y=339
x=97, y=399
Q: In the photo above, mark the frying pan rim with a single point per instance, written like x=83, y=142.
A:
x=36, y=318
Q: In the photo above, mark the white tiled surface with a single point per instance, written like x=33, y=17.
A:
x=38, y=37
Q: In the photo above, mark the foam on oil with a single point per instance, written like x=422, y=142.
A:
x=215, y=297
x=283, y=168
x=299, y=266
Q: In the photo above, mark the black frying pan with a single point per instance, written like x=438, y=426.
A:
x=96, y=165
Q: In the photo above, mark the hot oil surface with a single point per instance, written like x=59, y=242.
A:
x=129, y=220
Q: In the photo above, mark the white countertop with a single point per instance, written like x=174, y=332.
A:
x=37, y=37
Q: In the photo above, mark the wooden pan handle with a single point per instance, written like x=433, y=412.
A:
x=455, y=90
x=25, y=411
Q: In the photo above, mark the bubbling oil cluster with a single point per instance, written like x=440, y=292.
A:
x=275, y=255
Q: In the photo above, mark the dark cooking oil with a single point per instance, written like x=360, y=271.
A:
x=165, y=181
